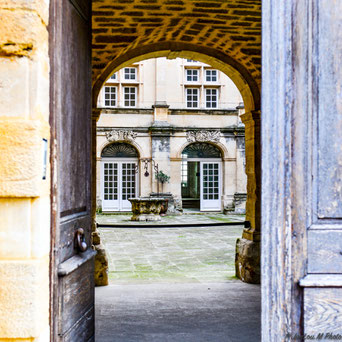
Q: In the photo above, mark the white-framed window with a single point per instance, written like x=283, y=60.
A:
x=113, y=77
x=192, y=75
x=211, y=97
x=130, y=74
x=192, y=97
x=130, y=96
x=211, y=75
x=184, y=171
x=110, y=96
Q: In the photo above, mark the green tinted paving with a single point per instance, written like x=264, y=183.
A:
x=190, y=218
x=159, y=255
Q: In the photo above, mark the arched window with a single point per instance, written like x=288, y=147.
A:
x=201, y=150
x=119, y=150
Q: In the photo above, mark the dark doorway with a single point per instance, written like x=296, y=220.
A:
x=191, y=184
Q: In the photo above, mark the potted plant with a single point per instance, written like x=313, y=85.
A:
x=163, y=178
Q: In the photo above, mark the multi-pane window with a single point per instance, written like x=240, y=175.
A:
x=113, y=77
x=191, y=75
x=184, y=171
x=211, y=98
x=130, y=96
x=109, y=96
x=128, y=180
x=130, y=74
x=192, y=97
x=191, y=61
x=211, y=188
x=211, y=75
x=110, y=185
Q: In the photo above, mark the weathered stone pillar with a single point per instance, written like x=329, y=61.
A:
x=247, y=260
x=160, y=132
x=101, y=260
x=240, y=195
x=160, y=138
x=25, y=183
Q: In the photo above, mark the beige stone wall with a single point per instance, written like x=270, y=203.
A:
x=161, y=79
x=24, y=195
x=233, y=172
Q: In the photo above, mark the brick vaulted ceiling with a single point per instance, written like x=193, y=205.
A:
x=231, y=27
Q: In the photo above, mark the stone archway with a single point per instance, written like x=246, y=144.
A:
x=226, y=35
x=248, y=247
x=248, y=87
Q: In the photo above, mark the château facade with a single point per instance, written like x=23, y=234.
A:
x=177, y=116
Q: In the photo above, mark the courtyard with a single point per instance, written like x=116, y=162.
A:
x=175, y=283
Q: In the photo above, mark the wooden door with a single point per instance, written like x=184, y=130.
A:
x=210, y=186
x=128, y=184
x=301, y=170
x=110, y=186
x=119, y=183
x=72, y=278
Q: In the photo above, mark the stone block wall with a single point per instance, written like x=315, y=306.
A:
x=24, y=191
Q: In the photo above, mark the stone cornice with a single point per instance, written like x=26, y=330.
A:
x=149, y=111
x=235, y=130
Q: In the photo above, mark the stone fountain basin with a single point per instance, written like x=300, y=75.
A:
x=146, y=208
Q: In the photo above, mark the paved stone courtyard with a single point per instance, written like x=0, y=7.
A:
x=182, y=254
x=212, y=312
x=175, y=284
x=190, y=217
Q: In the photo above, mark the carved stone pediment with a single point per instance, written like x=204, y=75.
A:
x=203, y=136
x=121, y=135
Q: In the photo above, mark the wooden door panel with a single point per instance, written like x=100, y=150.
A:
x=84, y=329
x=328, y=70
x=73, y=270
x=323, y=312
x=67, y=235
x=75, y=124
x=324, y=183
x=324, y=251
x=77, y=296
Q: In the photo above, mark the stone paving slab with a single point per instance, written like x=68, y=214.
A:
x=171, y=255
x=191, y=218
x=206, y=312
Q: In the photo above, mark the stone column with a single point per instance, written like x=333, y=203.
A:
x=241, y=180
x=160, y=139
x=101, y=260
x=175, y=184
x=160, y=129
x=247, y=261
x=229, y=181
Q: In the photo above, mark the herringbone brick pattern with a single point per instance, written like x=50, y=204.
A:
x=232, y=27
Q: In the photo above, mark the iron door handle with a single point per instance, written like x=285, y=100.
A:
x=81, y=245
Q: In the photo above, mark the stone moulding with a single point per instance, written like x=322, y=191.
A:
x=203, y=136
x=121, y=135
